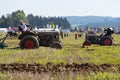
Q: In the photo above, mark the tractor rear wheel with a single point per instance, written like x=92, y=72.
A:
x=29, y=42
x=106, y=41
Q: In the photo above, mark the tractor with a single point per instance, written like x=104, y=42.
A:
x=33, y=39
x=104, y=39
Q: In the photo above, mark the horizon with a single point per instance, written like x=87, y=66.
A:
x=65, y=16
x=107, y=8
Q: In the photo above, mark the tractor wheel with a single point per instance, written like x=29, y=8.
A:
x=106, y=41
x=56, y=45
x=87, y=43
x=29, y=42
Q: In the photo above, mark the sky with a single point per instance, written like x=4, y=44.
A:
x=62, y=7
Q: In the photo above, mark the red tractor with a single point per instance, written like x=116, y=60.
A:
x=103, y=39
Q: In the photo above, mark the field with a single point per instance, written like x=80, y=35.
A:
x=71, y=63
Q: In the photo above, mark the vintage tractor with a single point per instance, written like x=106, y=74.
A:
x=103, y=39
x=34, y=39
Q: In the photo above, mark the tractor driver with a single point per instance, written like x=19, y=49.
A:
x=22, y=26
x=109, y=31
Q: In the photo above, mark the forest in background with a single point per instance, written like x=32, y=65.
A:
x=36, y=21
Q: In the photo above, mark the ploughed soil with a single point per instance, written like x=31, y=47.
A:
x=51, y=67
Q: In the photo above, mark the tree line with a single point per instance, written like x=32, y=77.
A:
x=36, y=21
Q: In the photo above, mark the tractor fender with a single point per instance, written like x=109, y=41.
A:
x=26, y=34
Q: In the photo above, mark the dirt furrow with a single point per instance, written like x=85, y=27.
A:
x=51, y=67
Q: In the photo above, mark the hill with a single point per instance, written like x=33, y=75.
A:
x=95, y=21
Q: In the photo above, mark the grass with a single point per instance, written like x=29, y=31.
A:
x=97, y=55
x=71, y=53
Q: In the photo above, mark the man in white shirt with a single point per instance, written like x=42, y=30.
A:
x=22, y=27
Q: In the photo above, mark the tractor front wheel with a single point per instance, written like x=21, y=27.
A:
x=56, y=45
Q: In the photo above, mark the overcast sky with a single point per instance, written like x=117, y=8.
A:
x=62, y=7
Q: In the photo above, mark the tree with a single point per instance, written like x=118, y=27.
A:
x=31, y=19
x=17, y=16
x=3, y=22
x=41, y=22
